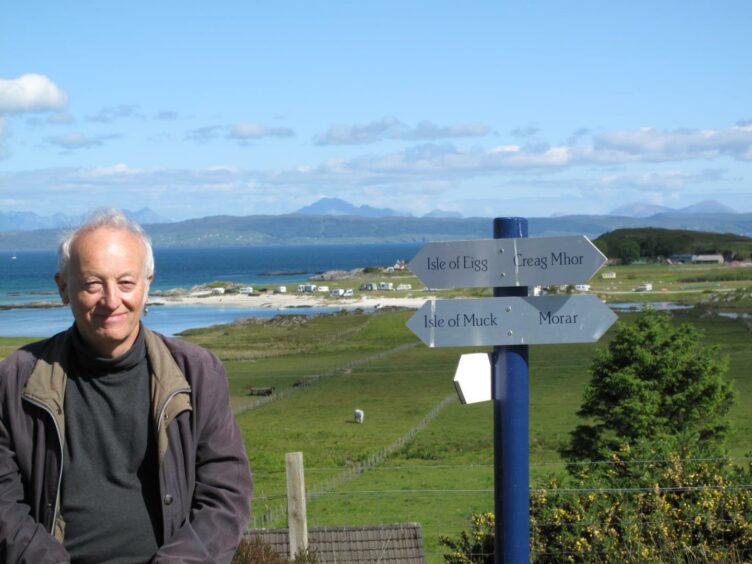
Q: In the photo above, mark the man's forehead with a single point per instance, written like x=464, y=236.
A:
x=111, y=247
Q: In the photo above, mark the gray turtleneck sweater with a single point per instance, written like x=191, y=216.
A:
x=110, y=487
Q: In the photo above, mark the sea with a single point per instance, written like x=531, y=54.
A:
x=27, y=277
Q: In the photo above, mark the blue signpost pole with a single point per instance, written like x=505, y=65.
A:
x=510, y=393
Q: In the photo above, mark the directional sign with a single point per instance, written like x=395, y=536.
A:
x=511, y=321
x=507, y=262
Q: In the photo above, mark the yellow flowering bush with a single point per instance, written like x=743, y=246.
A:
x=647, y=504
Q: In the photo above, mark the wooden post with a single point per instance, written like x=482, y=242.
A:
x=296, y=503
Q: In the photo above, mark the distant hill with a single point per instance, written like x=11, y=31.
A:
x=639, y=209
x=443, y=213
x=655, y=242
x=227, y=230
x=29, y=221
x=335, y=206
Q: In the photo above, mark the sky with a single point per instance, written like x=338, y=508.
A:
x=488, y=109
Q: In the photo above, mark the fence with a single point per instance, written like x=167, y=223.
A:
x=449, y=494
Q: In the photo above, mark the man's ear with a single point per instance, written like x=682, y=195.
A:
x=62, y=288
x=148, y=287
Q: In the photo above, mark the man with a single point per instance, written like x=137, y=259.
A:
x=117, y=444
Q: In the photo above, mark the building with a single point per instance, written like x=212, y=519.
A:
x=707, y=259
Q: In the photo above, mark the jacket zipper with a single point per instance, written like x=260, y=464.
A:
x=166, y=402
x=60, y=445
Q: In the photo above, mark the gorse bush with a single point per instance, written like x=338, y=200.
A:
x=650, y=503
x=659, y=501
x=475, y=546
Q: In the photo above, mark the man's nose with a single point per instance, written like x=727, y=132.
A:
x=111, y=296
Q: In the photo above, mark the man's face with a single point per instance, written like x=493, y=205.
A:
x=106, y=288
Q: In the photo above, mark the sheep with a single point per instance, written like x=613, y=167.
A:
x=359, y=416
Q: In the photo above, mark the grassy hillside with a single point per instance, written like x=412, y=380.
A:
x=655, y=242
x=420, y=455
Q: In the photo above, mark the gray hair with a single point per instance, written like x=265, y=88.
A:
x=108, y=218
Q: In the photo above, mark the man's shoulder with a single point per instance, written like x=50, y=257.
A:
x=20, y=363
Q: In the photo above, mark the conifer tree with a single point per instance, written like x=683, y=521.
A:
x=654, y=379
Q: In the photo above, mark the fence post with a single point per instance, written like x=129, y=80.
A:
x=296, y=503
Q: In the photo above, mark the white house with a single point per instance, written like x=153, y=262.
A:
x=306, y=287
x=218, y=292
x=707, y=259
x=609, y=274
x=246, y=290
x=386, y=286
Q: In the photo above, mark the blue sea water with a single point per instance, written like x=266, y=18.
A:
x=26, y=276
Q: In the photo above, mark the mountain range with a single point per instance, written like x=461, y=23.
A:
x=306, y=226
x=29, y=221
x=639, y=209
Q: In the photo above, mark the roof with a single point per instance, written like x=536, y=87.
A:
x=384, y=544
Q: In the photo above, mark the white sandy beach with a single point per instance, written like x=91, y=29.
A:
x=290, y=300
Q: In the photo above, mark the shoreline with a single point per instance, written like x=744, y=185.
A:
x=289, y=301
x=263, y=301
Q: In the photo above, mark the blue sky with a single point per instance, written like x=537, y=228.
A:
x=485, y=108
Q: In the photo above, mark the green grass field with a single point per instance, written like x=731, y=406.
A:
x=418, y=457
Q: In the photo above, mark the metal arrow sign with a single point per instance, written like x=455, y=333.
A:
x=511, y=321
x=507, y=262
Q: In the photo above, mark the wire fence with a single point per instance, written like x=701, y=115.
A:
x=442, y=499
x=312, y=379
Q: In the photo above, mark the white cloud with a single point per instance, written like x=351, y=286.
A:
x=245, y=131
x=657, y=145
x=203, y=134
x=3, y=150
x=30, y=93
x=427, y=131
x=72, y=141
x=109, y=114
x=390, y=127
x=527, y=131
x=242, y=132
x=120, y=170
x=60, y=118
x=358, y=134
x=167, y=115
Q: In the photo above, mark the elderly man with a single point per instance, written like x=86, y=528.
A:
x=117, y=444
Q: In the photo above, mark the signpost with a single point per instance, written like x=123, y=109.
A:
x=507, y=262
x=510, y=321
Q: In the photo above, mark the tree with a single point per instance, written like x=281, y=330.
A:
x=628, y=251
x=654, y=379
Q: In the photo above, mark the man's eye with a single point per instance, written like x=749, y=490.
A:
x=92, y=287
x=127, y=285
